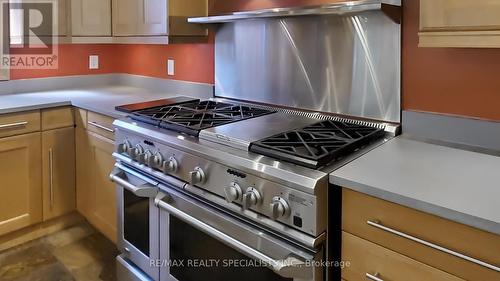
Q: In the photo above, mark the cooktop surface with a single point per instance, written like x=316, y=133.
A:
x=318, y=144
x=191, y=117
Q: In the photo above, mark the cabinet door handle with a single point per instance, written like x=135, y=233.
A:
x=378, y=225
x=97, y=125
x=13, y=125
x=51, y=178
x=373, y=277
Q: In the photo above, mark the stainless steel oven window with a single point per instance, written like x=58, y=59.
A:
x=192, y=233
x=189, y=244
x=138, y=218
x=136, y=221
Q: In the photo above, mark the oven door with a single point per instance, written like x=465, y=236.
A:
x=200, y=242
x=137, y=218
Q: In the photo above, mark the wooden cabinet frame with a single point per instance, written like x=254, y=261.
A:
x=459, y=23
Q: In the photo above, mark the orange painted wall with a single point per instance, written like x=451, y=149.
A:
x=448, y=80
x=193, y=62
x=73, y=60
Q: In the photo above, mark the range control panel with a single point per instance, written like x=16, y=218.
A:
x=247, y=191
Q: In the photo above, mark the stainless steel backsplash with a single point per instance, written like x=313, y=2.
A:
x=346, y=64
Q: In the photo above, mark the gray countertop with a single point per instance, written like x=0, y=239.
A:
x=456, y=184
x=99, y=99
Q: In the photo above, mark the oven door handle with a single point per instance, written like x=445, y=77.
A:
x=291, y=267
x=144, y=190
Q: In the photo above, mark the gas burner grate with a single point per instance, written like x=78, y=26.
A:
x=318, y=144
x=191, y=117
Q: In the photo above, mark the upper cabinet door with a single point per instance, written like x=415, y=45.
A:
x=59, y=23
x=153, y=17
x=62, y=16
x=91, y=17
x=139, y=17
x=459, y=23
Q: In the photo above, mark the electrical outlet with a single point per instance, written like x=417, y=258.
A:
x=93, y=62
x=170, y=67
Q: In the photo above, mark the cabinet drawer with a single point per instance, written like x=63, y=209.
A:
x=56, y=118
x=19, y=123
x=369, y=261
x=395, y=227
x=100, y=124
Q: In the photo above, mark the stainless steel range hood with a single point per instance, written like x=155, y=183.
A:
x=339, y=8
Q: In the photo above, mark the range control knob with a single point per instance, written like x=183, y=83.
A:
x=171, y=165
x=251, y=198
x=145, y=158
x=233, y=192
x=279, y=208
x=135, y=152
x=157, y=160
x=124, y=147
x=197, y=176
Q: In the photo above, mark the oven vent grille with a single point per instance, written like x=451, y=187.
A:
x=321, y=116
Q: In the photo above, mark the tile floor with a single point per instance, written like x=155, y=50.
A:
x=77, y=253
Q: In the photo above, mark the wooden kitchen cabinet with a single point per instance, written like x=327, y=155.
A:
x=157, y=17
x=58, y=169
x=20, y=182
x=369, y=258
x=58, y=117
x=101, y=125
x=62, y=17
x=91, y=17
x=80, y=118
x=178, y=13
x=59, y=25
x=19, y=123
x=459, y=23
x=139, y=17
x=96, y=194
x=362, y=216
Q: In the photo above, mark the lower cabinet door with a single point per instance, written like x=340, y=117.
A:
x=369, y=261
x=96, y=194
x=58, y=165
x=20, y=182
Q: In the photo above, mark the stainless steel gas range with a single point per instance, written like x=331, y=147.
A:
x=221, y=190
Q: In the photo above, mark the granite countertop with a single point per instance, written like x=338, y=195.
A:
x=456, y=184
x=98, y=99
